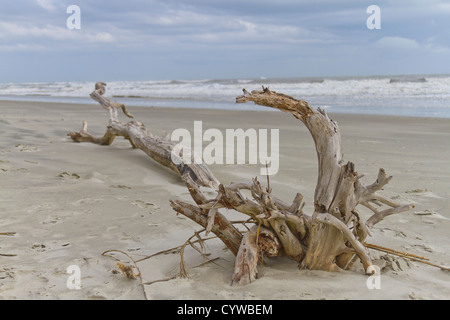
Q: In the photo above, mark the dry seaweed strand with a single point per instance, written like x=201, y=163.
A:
x=171, y=250
x=105, y=253
x=405, y=255
x=183, y=273
x=127, y=271
x=180, y=249
x=160, y=280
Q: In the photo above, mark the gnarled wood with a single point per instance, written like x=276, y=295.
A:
x=256, y=243
x=326, y=136
x=331, y=244
x=330, y=238
x=222, y=228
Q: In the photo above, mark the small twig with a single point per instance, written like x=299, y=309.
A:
x=206, y=262
x=395, y=252
x=159, y=280
x=406, y=255
x=257, y=232
x=172, y=250
x=175, y=276
x=7, y=233
x=183, y=272
x=430, y=264
x=268, y=190
x=8, y=255
x=244, y=223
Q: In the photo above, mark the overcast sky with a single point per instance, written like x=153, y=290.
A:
x=210, y=39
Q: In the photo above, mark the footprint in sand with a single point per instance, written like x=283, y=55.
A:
x=52, y=220
x=120, y=186
x=68, y=175
x=13, y=170
x=423, y=247
x=396, y=264
x=6, y=167
x=145, y=205
x=424, y=193
x=427, y=213
x=86, y=201
x=393, y=232
x=39, y=247
x=7, y=273
x=25, y=148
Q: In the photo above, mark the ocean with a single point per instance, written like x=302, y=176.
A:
x=417, y=95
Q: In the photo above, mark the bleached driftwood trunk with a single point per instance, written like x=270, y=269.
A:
x=157, y=148
x=330, y=239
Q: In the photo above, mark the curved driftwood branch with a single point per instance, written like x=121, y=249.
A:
x=331, y=244
x=325, y=133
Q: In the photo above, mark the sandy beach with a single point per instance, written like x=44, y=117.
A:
x=63, y=204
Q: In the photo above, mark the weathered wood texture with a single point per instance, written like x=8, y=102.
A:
x=331, y=238
x=155, y=147
x=336, y=233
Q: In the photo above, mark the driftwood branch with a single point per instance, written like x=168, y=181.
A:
x=330, y=238
x=155, y=147
x=258, y=242
x=336, y=233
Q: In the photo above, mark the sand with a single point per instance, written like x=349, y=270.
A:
x=65, y=203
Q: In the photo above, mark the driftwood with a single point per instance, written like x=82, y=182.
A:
x=159, y=149
x=331, y=238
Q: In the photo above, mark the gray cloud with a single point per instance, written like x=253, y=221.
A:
x=222, y=38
